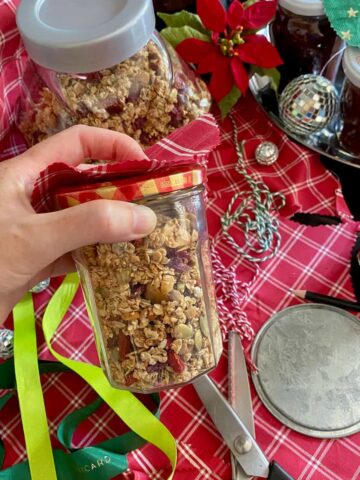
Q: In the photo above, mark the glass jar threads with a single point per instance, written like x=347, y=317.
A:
x=152, y=301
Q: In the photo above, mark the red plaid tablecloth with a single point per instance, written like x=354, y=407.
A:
x=316, y=258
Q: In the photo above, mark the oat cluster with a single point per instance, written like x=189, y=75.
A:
x=156, y=328
x=147, y=97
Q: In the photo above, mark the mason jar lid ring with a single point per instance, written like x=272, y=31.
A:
x=84, y=36
x=133, y=188
x=307, y=8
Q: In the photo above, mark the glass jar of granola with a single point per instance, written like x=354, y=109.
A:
x=104, y=65
x=152, y=301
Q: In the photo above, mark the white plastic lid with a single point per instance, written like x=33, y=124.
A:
x=307, y=8
x=351, y=65
x=82, y=36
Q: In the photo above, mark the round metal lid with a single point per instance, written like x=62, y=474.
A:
x=309, y=369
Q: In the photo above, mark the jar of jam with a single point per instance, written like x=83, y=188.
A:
x=104, y=65
x=152, y=301
x=350, y=102
x=303, y=36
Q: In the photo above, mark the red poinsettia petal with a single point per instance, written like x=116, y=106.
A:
x=212, y=14
x=193, y=50
x=235, y=14
x=211, y=62
x=259, y=14
x=221, y=80
x=240, y=74
x=257, y=50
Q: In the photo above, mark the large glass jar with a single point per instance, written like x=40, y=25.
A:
x=104, y=65
x=350, y=102
x=304, y=38
x=152, y=301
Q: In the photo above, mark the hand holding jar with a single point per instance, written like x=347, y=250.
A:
x=35, y=246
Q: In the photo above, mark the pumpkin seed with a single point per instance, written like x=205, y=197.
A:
x=183, y=331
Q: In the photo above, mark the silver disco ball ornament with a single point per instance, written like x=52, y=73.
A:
x=41, y=286
x=308, y=104
x=6, y=343
x=266, y=153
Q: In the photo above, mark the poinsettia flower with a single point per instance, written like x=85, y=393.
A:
x=232, y=43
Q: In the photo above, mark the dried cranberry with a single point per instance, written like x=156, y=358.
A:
x=176, y=117
x=138, y=243
x=179, y=264
x=179, y=83
x=138, y=290
x=153, y=56
x=169, y=341
x=181, y=96
x=175, y=362
x=115, y=109
x=155, y=67
x=171, y=252
x=112, y=342
x=93, y=77
x=130, y=379
x=145, y=139
x=125, y=345
x=139, y=123
x=155, y=368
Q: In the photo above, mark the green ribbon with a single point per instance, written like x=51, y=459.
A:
x=105, y=460
x=31, y=401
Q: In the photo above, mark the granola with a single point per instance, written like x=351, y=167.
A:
x=155, y=322
x=147, y=97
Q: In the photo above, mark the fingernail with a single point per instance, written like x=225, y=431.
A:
x=144, y=220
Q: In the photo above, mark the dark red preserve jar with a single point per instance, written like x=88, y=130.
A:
x=303, y=36
x=350, y=102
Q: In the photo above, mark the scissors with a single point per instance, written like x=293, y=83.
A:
x=234, y=419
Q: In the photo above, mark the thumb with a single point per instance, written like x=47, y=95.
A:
x=103, y=221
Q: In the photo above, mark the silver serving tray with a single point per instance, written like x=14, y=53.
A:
x=325, y=142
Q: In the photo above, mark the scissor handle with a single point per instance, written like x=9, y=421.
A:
x=277, y=473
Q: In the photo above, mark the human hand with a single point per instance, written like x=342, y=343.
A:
x=36, y=246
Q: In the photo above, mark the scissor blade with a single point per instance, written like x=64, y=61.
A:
x=239, y=388
x=231, y=428
x=239, y=394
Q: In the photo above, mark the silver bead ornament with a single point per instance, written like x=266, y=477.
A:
x=41, y=286
x=266, y=153
x=6, y=343
x=308, y=104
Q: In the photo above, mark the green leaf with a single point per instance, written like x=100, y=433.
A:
x=272, y=73
x=228, y=102
x=176, y=35
x=183, y=19
x=248, y=3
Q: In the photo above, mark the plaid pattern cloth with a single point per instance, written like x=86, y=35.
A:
x=315, y=258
